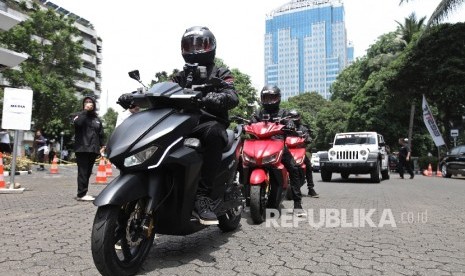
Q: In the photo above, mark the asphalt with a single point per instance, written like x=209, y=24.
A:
x=418, y=229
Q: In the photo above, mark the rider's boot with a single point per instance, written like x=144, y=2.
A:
x=203, y=210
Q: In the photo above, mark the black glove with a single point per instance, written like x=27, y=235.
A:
x=290, y=124
x=126, y=101
x=214, y=100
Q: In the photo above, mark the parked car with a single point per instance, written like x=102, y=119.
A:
x=315, y=160
x=454, y=162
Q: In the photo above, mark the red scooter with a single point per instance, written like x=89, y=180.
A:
x=264, y=177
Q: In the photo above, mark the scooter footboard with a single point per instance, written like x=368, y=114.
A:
x=122, y=189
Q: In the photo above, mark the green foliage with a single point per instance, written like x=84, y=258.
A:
x=424, y=161
x=332, y=119
x=435, y=67
x=109, y=121
x=22, y=163
x=309, y=106
x=50, y=70
x=247, y=95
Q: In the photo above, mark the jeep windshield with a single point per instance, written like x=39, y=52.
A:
x=354, y=139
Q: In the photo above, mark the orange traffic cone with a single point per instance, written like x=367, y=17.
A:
x=2, y=178
x=430, y=170
x=54, y=167
x=101, y=177
x=438, y=172
x=108, y=168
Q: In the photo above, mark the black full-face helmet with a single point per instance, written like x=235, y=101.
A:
x=270, y=97
x=295, y=116
x=198, y=45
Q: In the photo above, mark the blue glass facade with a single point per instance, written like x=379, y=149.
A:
x=306, y=46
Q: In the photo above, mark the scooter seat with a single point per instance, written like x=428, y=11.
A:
x=230, y=140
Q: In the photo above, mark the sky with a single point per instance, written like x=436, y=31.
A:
x=146, y=34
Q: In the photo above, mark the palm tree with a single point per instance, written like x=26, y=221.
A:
x=441, y=12
x=410, y=27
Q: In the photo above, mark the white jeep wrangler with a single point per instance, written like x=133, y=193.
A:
x=356, y=153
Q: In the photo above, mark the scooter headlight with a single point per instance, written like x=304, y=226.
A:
x=270, y=159
x=249, y=159
x=140, y=157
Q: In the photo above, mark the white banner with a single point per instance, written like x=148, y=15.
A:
x=17, y=109
x=431, y=124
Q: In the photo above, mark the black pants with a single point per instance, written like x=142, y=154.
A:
x=41, y=158
x=408, y=167
x=289, y=162
x=309, y=173
x=213, y=137
x=85, y=162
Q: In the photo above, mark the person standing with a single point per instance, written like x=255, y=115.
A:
x=5, y=146
x=404, y=159
x=89, y=144
x=40, y=143
x=305, y=132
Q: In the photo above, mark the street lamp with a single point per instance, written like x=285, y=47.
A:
x=61, y=146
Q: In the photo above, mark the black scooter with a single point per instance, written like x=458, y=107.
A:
x=159, y=173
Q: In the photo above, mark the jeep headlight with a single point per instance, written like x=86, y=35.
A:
x=363, y=152
x=332, y=152
x=270, y=159
x=140, y=157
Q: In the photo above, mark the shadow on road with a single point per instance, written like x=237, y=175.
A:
x=174, y=251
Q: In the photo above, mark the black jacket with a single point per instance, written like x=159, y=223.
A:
x=229, y=99
x=89, y=135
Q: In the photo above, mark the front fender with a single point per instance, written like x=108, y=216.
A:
x=122, y=189
x=258, y=176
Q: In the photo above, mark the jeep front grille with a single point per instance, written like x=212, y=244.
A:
x=347, y=154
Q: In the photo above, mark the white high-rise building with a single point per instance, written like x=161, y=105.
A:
x=306, y=46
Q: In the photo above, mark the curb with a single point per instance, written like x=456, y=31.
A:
x=7, y=173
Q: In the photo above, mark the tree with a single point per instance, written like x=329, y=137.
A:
x=332, y=119
x=441, y=12
x=109, y=122
x=435, y=67
x=410, y=27
x=51, y=69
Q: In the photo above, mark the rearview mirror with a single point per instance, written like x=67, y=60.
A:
x=134, y=75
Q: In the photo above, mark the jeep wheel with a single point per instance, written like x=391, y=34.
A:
x=375, y=173
x=325, y=175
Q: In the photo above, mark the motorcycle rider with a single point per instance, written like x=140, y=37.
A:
x=305, y=132
x=270, y=99
x=198, y=48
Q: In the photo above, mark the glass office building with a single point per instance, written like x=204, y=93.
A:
x=306, y=46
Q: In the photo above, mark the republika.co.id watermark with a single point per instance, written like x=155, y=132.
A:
x=343, y=218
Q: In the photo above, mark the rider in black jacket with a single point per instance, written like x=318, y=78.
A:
x=198, y=46
x=305, y=132
x=270, y=98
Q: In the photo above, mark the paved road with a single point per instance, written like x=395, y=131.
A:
x=419, y=230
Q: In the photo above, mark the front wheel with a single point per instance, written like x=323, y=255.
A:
x=258, y=202
x=445, y=173
x=121, y=238
x=376, y=172
x=325, y=175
